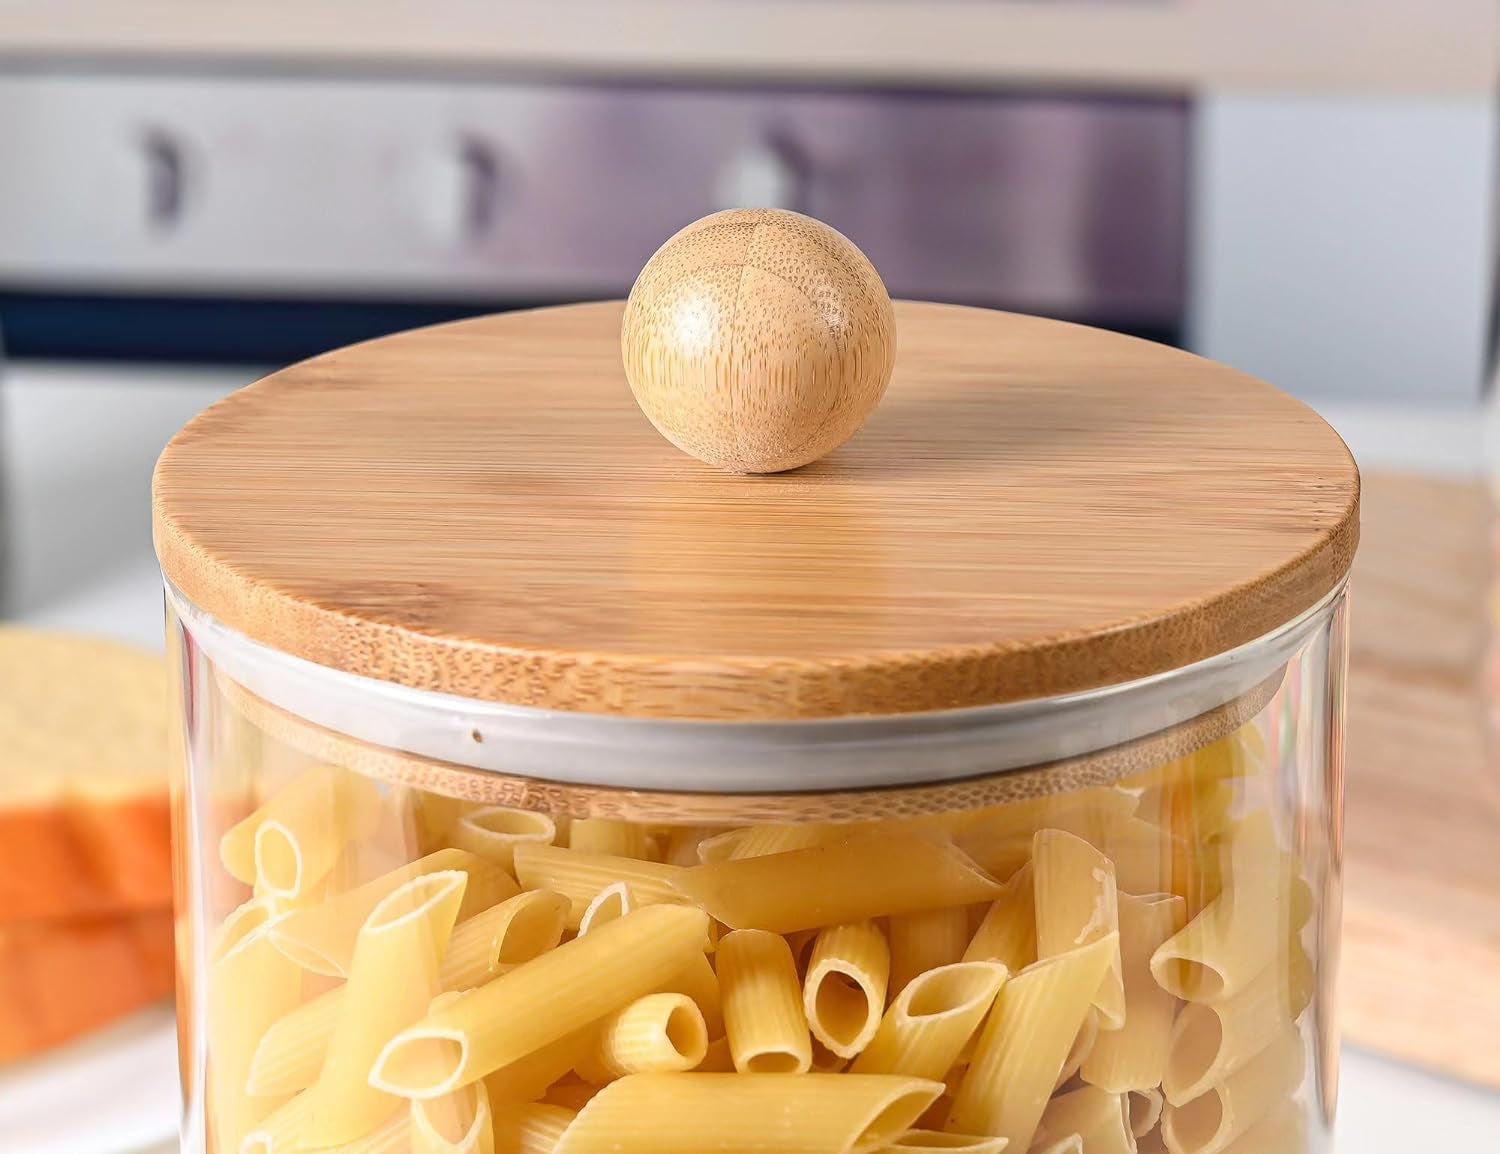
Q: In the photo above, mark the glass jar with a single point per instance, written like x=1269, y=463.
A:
x=445, y=887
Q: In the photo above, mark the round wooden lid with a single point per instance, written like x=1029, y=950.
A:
x=480, y=508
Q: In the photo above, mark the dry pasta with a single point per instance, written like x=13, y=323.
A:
x=656, y=1034
x=915, y=1141
x=456, y=1123
x=931, y=1020
x=613, y=901
x=392, y=978
x=495, y=831
x=1219, y=952
x=844, y=991
x=759, y=1114
x=553, y=995
x=530, y=1128
x=607, y=836
x=505, y=935
x=762, y=998
x=1099, y=1119
x=1209, y=1123
x=1210, y=1042
x=1145, y=1110
x=321, y=938
x=1083, y=1045
x=924, y=941
x=1025, y=1042
x=698, y=981
x=279, y=1132
x=1134, y=1057
x=528, y=1078
x=582, y=875
x=1076, y=904
x=1008, y=932
x=291, y=1050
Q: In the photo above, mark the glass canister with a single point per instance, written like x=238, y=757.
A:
x=976, y=787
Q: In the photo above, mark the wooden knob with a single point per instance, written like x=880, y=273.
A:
x=758, y=340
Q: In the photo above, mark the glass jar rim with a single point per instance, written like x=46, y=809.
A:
x=706, y=756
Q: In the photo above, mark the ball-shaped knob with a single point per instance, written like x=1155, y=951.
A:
x=758, y=339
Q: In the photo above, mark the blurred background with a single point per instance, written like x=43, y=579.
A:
x=192, y=194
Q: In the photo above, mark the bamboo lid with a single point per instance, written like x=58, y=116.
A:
x=480, y=508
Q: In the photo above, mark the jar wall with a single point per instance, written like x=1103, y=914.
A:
x=373, y=966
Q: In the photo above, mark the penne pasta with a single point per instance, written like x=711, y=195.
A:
x=839, y=882
x=321, y=938
x=925, y=940
x=280, y=1131
x=547, y=998
x=1145, y=1108
x=613, y=901
x=1007, y=934
x=844, y=992
x=914, y=1141
x=291, y=1051
x=607, y=836
x=392, y=977
x=1083, y=1045
x=1025, y=1041
x=581, y=876
x=1077, y=904
x=1236, y=936
x=235, y=1022
x=456, y=1123
x=1134, y=1057
x=931, y=1020
x=764, y=840
x=495, y=831
x=294, y=839
x=698, y=981
x=764, y=1114
x=1209, y=1123
x=1100, y=1120
x=530, y=1128
x=656, y=1034
x=762, y=998
x=505, y=935
x=530, y=1077
x=1210, y=1042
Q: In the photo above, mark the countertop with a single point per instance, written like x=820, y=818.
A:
x=81, y=536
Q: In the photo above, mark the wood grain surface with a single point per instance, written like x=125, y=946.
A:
x=480, y=508
x=758, y=340
x=1420, y=977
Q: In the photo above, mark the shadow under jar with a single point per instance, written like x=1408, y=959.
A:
x=976, y=787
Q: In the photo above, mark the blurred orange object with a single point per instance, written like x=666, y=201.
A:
x=62, y=979
x=84, y=758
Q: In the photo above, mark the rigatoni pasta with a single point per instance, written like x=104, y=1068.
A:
x=762, y=999
x=655, y=1034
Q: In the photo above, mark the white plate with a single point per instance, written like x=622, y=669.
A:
x=113, y=1092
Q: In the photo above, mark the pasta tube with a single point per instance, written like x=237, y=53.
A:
x=392, y=978
x=764, y=840
x=1283, y=1131
x=528, y=1078
x=1145, y=1108
x=698, y=981
x=1076, y=904
x=393, y=1137
x=1025, y=1041
x=495, y=831
x=551, y=996
x=1237, y=935
x=835, y=883
x=931, y=1020
x=613, y=901
x=925, y=940
x=1210, y=1042
x=1209, y=1123
x=532, y=1128
x=1100, y=1120
x=914, y=1141
x=656, y=1034
x=764, y=1114
x=1083, y=1045
x=236, y=1022
x=762, y=996
x=1134, y=1057
x=581, y=876
x=505, y=935
x=321, y=938
x=456, y=1123
x=1008, y=932
x=606, y=836
x=291, y=1051
x=280, y=1131
x=844, y=992
x=294, y=839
